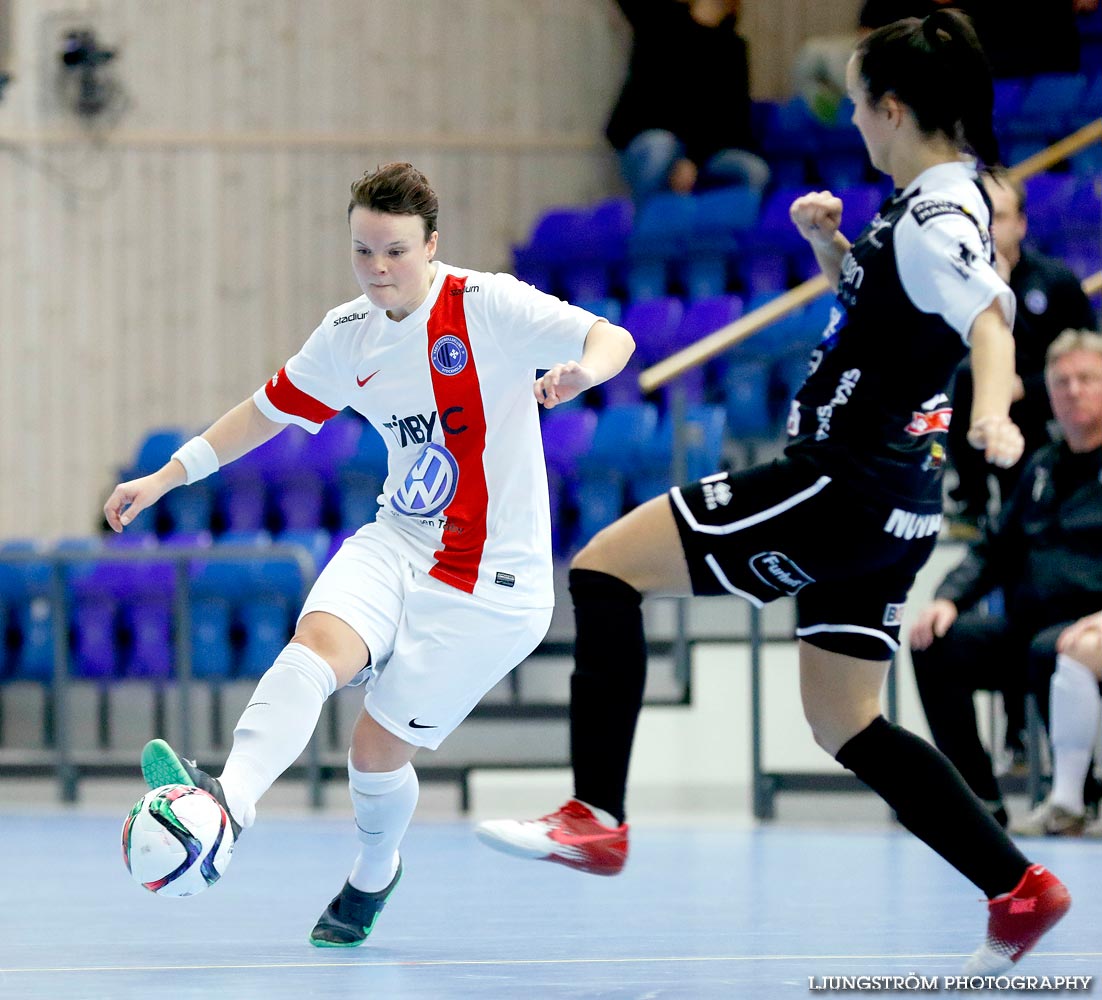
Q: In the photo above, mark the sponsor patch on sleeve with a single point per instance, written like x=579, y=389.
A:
x=924, y=211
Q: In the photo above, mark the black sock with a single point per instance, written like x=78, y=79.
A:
x=932, y=801
x=606, y=688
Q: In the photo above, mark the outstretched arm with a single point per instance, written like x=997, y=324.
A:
x=234, y=434
x=607, y=349
x=990, y=427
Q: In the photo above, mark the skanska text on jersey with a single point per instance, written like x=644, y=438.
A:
x=417, y=428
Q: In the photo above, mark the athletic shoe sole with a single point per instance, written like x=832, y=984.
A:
x=162, y=766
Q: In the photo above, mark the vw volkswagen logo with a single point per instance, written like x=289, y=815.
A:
x=430, y=484
x=449, y=355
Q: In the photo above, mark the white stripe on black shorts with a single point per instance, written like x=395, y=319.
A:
x=787, y=529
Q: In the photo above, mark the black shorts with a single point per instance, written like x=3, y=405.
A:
x=787, y=530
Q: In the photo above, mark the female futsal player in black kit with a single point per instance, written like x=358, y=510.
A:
x=846, y=519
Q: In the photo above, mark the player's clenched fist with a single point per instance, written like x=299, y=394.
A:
x=817, y=216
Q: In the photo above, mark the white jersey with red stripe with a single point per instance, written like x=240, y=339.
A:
x=449, y=388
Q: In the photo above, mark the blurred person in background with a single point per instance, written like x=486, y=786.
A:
x=1044, y=554
x=682, y=120
x=1050, y=299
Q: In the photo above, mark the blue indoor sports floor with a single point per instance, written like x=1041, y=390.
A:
x=700, y=912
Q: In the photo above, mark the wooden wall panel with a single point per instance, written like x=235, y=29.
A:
x=155, y=271
x=775, y=29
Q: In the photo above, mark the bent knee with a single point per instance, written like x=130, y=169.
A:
x=335, y=642
x=832, y=732
x=594, y=554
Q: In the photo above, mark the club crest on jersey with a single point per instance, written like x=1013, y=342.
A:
x=430, y=484
x=449, y=355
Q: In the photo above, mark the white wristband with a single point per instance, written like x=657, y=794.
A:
x=198, y=458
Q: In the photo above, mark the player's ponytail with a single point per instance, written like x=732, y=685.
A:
x=937, y=68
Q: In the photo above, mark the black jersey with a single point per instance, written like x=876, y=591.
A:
x=875, y=407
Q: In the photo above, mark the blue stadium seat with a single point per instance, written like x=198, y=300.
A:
x=360, y=481
x=720, y=216
x=266, y=622
x=1008, y=101
x=567, y=435
x=652, y=323
x=747, y=405
x=154, y=450
x=1052, y=101
x=608, y=308
x=584, y=280
x=624, y=388
x=620, y=441
x=95, y=639
x=704, y=431
x=7, y=659
x=663, y=226
x=25, y=587
x=645, y=280
x=612, y=220
x=704, y=274
x=190, y=509
x=211, y=642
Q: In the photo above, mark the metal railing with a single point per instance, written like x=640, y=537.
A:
x=67, y=769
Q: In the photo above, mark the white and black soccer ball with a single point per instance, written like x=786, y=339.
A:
x=177, y=840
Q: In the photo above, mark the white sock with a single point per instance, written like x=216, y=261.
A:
x=1076, y=708
x=275, y=727
x=383, y=802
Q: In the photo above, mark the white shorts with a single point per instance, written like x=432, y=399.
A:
x=435, y=651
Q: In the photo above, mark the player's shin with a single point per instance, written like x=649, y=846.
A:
x=383, y=802
x=275, y=727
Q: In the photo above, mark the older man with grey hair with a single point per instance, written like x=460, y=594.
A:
x=1044, y=553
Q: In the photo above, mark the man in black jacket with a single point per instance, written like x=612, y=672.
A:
x=1049, y=300
x=1044, y=552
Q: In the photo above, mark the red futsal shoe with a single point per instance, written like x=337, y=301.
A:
x=571, y=836
x=1018, y=919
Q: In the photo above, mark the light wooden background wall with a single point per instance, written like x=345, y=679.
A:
x=155, y=271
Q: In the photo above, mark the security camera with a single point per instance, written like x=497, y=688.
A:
x=82, y=58
x=82, y=49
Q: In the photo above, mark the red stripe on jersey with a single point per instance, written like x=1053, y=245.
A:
x=464, y=538
x=283, y=395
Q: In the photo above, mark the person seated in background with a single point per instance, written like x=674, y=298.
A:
x=1050, y=299
x=1076, y=708
x=1044, y=551
x=682, y=121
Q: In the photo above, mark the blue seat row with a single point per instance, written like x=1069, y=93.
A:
x=120, y=620
x=296, y=481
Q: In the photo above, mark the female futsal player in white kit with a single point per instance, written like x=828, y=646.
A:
x=451, y=587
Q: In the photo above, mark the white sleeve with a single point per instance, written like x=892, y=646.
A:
x=310, y=388
x=533, y=326
x=944, y=267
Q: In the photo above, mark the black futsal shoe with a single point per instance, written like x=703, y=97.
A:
x=350, y=918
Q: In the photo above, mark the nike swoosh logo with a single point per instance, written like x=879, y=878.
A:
x=578, y=839
x=361, y=382
x=414, y=724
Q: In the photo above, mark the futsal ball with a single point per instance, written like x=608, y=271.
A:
x=177, y=840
